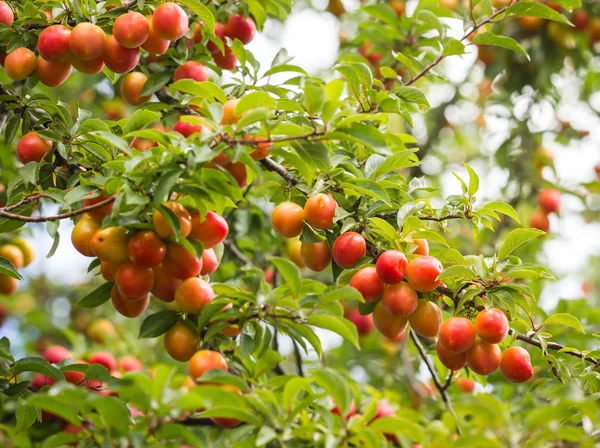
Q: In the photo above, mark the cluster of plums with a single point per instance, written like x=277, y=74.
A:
x=87, y=48
x=549, y=201
x=149, y=261
x=20, y=253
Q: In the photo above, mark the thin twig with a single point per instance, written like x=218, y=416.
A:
x=5, y=214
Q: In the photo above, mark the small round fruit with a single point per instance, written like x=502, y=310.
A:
x=20, y=64
x=240, y=27
x=13, y=254
x=26, y=249
x=287, y=219
x=181, y=263
x=491, y=325
x=104, y=358
x=146, y=249
x=292, y=248
x=92, y=67
x=8, y=285
x=229, y=116
x=7, y=16
x=54, y=43
x=55, y=354
x=134, y=283
x=154, y=44
x=368, y=283
x=549, y=200
x=483, y=358
x=212, y=230
x=101, y=330
x=210, y=263
x=465, y=385
x=87, y=41
x=422, y=273
x=515, y=365
x=364, y=324
x=316, y=256
x=348, y=249
x=539, y=220
x=400, y=300
x=452, y=361
x=132, y=86
x=319, y=211
x=53, y=74
x=204, y=361
x=457, y=334
x=165, y=285
x=191, y=70
x=129, y=364
x=32, y=148
x=186, y=128
x=162, y=226
x=422, y=246
x=131, y=29
x=170, y=21
x=82, y=234
x=110, y=244
x=389, y=326
x=391, y=266
x=427, y=319
x=118, y=58
x=181, y=342
x=128, y=308
x=193, y=295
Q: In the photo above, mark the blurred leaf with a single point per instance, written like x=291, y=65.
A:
x=565, y=319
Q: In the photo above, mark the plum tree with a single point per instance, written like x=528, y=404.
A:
x=389, y=326
x=453, y=361
x=94, y=198
x=154, y=43
x=53, y=74
x=104, y=358
x=7, y=16
x=13, y=254
x=240, y=27
x=82, y=234
x=180, y=262
x=549, y=200
x=539, y=220
x=348, y=249
x=186, y=128
x=210, y=262
x=146, y=249
x=129, y=308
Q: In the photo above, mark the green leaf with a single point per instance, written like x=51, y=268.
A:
x=534, y=9
x=156, y=82
x=453, y=47
x=429, y=18
x=502, y=207
x=408, y=209
x=114, y=413
x=516, y=238
x=336, y=385
x=231, y=412
x=26, y=416
x=488, y=38
x=56, y=407
x=38, y=365
x=290, y=272
x=393, y=163
x=222, y=377
x=473, y=180
x=167, y=181
x=315, y=154
x=395, y=425
x=97, y=297
x=337, y=324
x=565, y=319
x=158, y=323
x=7, y=268
x=115, y=141
x=367, y=187
x=254, y=100
x=458, y=271
x=340, y=294
x=202, y=12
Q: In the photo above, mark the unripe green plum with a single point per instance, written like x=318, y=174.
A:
x=132, y=86
x=515, y=365
x=427, y=319
x=287, y=219
x=400, y=299
x=54, y=43
x=316, y=256
x=452, y=361
x=319, y=211
x=204, y=361
x=118, y=58
x=348, y=249
x=210, y=231
x=165, y=285
x=129, y=308
x=389, y=326
x=391, y=266
x=457, y=334
x=422, y=273
x=193, y=295
x=170, y=21
x=82, y=234
x=32, y=148
x=134, y=283
x=191, y=70
x=131, y=29
x=368, y=283
x=110, y=244
x=87, y=41
x=181, y=342
x=20, y=64
x=146, y=249
x=181, y=263
x=483, y=358
x=491, y=325
x=53, y=74
x=162, y=226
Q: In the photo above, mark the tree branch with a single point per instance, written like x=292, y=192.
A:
x=6, y=214
x=236, y=252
